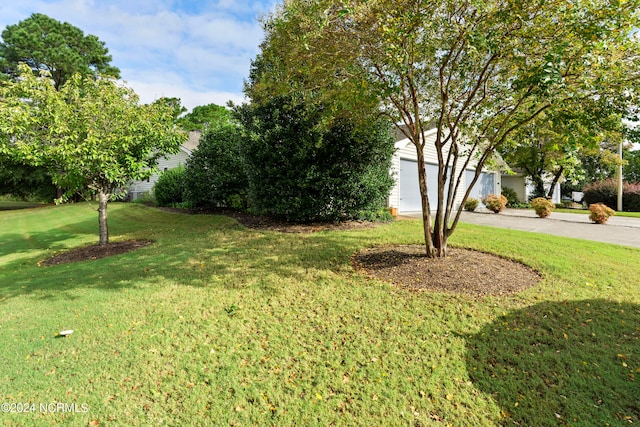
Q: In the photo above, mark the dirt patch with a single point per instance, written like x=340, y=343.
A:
x=95, y=252
x=463, y=271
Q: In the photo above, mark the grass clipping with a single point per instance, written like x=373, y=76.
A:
x=462, y=271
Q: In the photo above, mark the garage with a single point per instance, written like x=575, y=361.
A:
x=485, y=185
x=410, y=187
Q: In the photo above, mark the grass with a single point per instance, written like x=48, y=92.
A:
x=215, y=324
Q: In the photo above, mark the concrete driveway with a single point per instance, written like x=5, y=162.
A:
x=618, y=230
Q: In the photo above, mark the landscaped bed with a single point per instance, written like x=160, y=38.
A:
x=215, y=323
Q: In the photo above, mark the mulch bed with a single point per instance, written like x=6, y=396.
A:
x=85, y=253
x=462, y=271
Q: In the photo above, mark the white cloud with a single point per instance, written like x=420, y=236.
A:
x=198, y=50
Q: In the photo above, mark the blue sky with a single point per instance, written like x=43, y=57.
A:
x=198, y=51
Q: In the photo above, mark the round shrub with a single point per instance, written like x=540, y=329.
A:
x=600, y=213
x=471, y=204
x=214, y=174
x=542, y=206
x=495, y=203
x=169, y=189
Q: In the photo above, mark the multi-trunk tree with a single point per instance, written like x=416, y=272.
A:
x=92, y=133
x=475, y=70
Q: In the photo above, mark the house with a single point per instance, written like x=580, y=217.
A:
x=524, y=188
x=405, y=194
x=138, y=188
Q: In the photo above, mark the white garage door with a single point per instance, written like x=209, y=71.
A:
x=484, y=186
x=410, y=187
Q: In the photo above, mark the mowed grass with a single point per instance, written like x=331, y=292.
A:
x=215, y=324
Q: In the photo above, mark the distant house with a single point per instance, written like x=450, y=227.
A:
x=524, y=188
x=138, y=188
x=405, y=194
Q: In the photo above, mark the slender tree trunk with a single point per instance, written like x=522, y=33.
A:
x=103, y=198
x=556, y=178
x=432, y=252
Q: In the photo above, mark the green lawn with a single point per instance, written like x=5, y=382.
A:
x=215, y=324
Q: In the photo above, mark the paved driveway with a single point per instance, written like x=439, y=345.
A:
x=618, y=230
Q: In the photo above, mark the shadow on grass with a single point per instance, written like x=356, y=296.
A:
x=572, y=363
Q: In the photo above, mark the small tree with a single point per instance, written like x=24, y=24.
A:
x=203, y=117
x=93, y=133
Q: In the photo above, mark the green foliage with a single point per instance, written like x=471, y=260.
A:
x=26, y=182
x=203, y=117
x=512, y=197
x=542, y=206
x=471, y=204
x=378, y=215
x=46, y=44
x=215, y=174
x=169, y=190
x=300, y=171
x=495, y=203
x=607, y=192
x=146, y=198
x=600, y=213
x=631, y=170
x=92, y=133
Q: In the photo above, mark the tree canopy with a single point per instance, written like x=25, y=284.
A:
x=92, y=133
x=476, y=71
x=203, y=117
x=45, y=44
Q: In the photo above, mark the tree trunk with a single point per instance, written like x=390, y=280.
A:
x=556, y=178
x=103, y=198
x=432, y=251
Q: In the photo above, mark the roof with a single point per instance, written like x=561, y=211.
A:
x=192, y=143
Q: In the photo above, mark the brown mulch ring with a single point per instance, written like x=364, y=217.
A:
x=95, y=252
x=462, y=271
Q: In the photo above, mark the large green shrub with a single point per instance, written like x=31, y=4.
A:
x=606, y=192
x=302, y=170
x=215, y=173
x=169, y=189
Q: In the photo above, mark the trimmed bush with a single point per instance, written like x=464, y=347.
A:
x=606, y=192
x=542, y=206
x=471, y=204
x=215, y=173
x=303, y=170
x=169, y=189
x=600, y=213
x=495, y=203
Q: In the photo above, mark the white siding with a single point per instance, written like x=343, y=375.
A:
x=137, y=188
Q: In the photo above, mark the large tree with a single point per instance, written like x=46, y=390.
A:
x=92, y=133
x=45, y=44
x=556, y=142
x=204, y=117
x=476, y=70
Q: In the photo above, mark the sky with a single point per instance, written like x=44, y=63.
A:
x=199, y=51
